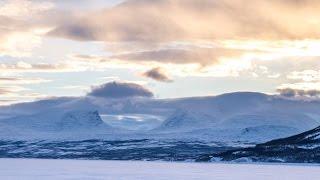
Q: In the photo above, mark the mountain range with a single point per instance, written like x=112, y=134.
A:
x=242, y=117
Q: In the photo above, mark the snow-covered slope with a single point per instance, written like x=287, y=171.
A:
x=300, y=148
x=235, y=125
x=54, y=124
x=184, y=120
x=295, y=120
x=264, y=133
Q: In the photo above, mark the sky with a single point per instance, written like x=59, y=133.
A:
x=174, y=48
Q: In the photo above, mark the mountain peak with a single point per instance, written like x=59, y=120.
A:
x=186, y=120
x=81, y=119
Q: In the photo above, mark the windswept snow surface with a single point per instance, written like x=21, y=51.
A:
x=137, y=170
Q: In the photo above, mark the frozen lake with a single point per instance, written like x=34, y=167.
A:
x=136, y=170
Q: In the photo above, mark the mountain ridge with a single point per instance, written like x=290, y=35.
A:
x=299, y=148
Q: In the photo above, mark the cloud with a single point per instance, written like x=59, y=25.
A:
x=6, y=102
x=4, y=91
x=300, y=89
x=23, y=66
x=120, y=90
x=289, y=92
x=23, y=9
x=305, y=75
x=219, y=68
x=23, y=23
x=157, y=74
x=21, y=80
x=86, y=58
x=145, y=21
x=18, y=39
x=12, y=91
x=182, y=56
x=140, y=31
x=14, y=94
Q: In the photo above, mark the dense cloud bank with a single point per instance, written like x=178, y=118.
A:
x=120, y=90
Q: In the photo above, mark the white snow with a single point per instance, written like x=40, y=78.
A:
x=135, y=170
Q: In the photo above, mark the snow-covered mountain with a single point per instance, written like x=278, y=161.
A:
x=82, y=120
x=184, y=120
x=241, y=116
x=54, y=124
x=250, y=117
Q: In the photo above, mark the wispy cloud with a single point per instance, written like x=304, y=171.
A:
x=16, y=93
x=182, y=56
x=23, y=66
x=305, y=75
x=4, y=91
x=12, y=89
x=20, y=80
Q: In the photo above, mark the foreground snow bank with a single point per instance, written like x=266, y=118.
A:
x=126, y=170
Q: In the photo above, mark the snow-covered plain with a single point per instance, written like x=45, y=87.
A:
x=136, y=170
